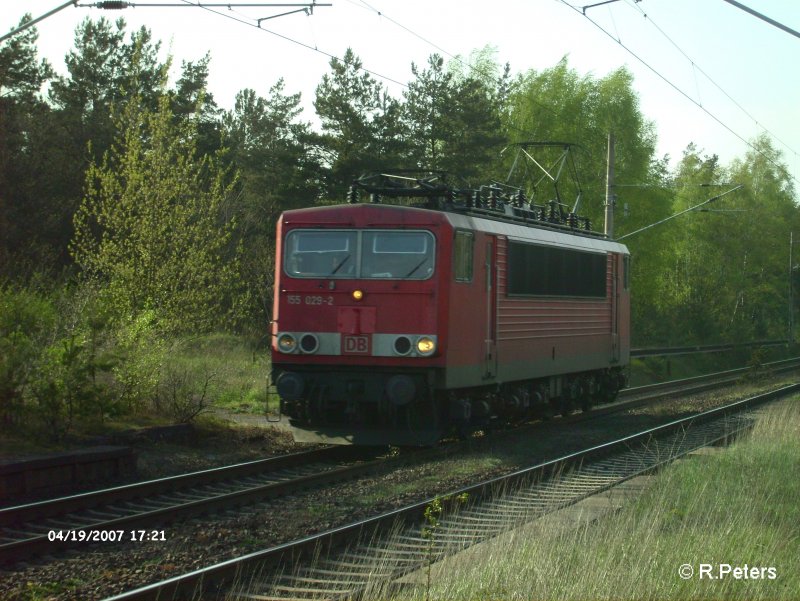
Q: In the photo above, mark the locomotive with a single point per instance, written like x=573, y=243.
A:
x=432, y=310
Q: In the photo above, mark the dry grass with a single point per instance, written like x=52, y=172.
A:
x=737, y=508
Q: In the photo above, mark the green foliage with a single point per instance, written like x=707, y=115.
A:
x=432, y=515
x=22, y=74
x=171, y=237
x=151, y=226
x=26, y=322
x=735, y=507
x=726, y=278
x=23, y=247
x=65, y=361
x=276, y=157
x=452, y=121
x=560, y=104
x=55, y=358
x=64, y=387
x=104, y=70
x=140, y=341
x=360, y=123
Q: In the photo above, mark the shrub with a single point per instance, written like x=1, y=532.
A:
x=26, y=319
x=185, y=393
x=141, y=349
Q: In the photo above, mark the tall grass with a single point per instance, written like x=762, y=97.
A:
x=237, y=373
x=738, y=508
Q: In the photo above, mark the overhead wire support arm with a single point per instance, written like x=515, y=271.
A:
x=585, y=8
x=33, y=22
x=765, y=18
x=307, y=8
x=121, y=4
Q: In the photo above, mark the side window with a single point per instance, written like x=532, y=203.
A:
x=535, y=270
x=462, y=256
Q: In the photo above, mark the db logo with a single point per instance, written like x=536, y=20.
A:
x=355, y=345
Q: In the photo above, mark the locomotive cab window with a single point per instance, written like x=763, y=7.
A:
x=364, y=254
x=317, y=253
x=463, y=256
x=397, y=255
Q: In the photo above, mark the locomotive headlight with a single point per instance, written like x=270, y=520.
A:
x=358, y=295
x=426, y=345
x=287, y=343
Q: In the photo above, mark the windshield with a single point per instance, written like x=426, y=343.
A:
x=364, y=254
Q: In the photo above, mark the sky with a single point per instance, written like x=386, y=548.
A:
x=736, y=75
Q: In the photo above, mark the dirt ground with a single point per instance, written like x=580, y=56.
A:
x=217, y=439
x=234, y=438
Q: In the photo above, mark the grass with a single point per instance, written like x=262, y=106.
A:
x=429, y=476
x=737, y=508
x=239, y=374
x=236, y=376
x=649, y=370
x=39, y=592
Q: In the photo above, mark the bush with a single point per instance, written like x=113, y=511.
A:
x=68, y=359
x=142, y=349
x=26, y=320
x=186, y=393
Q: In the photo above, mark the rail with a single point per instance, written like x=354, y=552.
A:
x=217, y=577
x=709, y=348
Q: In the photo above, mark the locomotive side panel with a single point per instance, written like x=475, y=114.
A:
x=623, y=307
x=575, y=323
x=470, y=311
x=561, y=332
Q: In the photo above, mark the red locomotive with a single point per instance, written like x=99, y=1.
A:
x=400, y=324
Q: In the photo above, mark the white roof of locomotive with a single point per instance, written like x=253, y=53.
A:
x=533, y=234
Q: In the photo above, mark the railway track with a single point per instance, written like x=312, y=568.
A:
x=346, y=561
x=48, y=526
x=707, y=381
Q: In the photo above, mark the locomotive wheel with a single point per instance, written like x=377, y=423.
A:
x=608, y=393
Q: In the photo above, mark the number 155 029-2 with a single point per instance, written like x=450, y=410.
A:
x=312, y=300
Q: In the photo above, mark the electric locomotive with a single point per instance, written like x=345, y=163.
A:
x=449, y=311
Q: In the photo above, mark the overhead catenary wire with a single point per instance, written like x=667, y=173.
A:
x=255, y=25
x=618, y=40
x=122, y=4
x=414, y=33
x=362, y=68
x=692, y=208
x=451, y=56
x=679, y=90
x=696, y=68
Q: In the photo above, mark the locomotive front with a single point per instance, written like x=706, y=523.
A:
x=356, y=337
